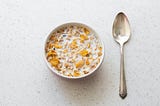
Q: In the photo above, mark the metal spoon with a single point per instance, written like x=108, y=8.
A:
x=121, y=33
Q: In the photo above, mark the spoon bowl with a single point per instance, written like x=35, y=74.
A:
x=121, y=28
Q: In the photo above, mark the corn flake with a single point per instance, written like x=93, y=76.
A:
x=76, y=73
x=57, y=46
x=83, y=37
x=54, y=62
x=86, y=31
x=84, y=53
x=51, y=53
x=99, y=53
x=73, y=44
x=79, y=64
x=87, y=61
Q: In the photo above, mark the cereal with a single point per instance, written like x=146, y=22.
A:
x=100, y=48
x=86, y=31
x=73, y=45
x=88, y=45
x=54, y=62
x=53, y=38
x=87, y=61
x=73, y=51
x=76, y=73
x=56, y=45
x=99, y=53
x=85, y=72
x=84, y=37
x=51, y=53
x=79, y=64
x=65, y=51
x=70, y=75
x=84, y=53
x=66, y=65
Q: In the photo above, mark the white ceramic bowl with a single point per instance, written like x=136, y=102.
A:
x=74, y=24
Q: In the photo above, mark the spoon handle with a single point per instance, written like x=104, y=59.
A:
x=122, y=86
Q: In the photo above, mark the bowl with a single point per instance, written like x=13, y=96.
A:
x=77, y=25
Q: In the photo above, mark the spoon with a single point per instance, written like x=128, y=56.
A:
x=121, y=33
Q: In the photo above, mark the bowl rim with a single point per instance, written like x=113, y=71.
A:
x=78, y=24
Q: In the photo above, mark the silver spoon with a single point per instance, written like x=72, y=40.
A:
x=121, y=33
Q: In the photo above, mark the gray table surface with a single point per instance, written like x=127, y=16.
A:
x=25, y=79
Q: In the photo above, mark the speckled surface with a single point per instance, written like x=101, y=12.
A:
x=25, y=79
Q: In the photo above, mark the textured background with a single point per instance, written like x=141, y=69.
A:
x=25, y=79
